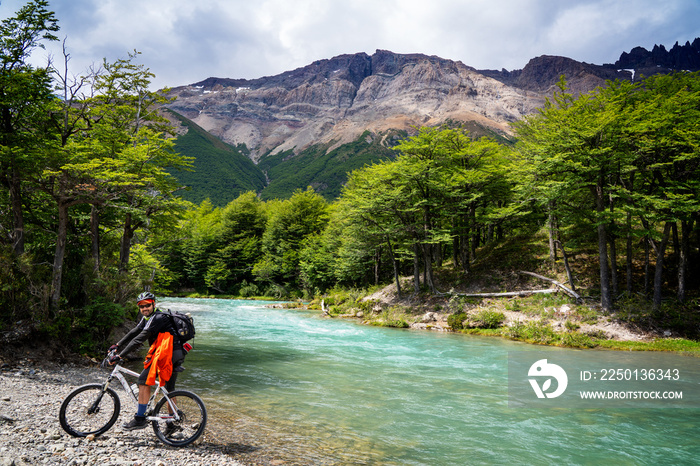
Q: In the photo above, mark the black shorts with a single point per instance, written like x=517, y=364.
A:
x=178, y=359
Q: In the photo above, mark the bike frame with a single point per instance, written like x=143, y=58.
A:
x=119, y=372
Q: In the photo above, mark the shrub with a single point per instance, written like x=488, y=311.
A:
x=488, y=319
x=86, y=330
x=248, y=290
x=368, y=305
x=516, y=331
x=534, y=331
x=571, y=325
x=540, y=332
x=456, y=321
x=392, y=317
x=514, y=306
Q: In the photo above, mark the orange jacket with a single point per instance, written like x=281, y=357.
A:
x=160, y=359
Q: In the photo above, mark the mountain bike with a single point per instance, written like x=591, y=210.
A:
x=178, y=417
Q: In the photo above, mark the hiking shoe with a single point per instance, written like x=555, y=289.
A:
x=138, y=422
x=171, y=428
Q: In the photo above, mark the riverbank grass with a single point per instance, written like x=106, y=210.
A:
x=537, y=319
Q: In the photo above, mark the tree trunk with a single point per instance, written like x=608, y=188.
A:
x=658, y=272
x=566, y=265
x=647, y=243
x=686, y=228
x=613, y=265
x=427, y=257
x=475, y=231
x=464, y=253
x=464, y=247
x=676, y=243
x=396, y=269
x=605, y=298
x=125, y=247
x=416, y=267
x=628, y=254
x=61, y=237
x=552, y=239
x=95, y=233
x=437, y=250
x=455, y=251
x=17, y=213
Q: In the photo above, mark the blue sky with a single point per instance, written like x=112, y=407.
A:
x=183, y=42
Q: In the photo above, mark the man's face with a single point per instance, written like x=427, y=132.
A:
x=146, y=309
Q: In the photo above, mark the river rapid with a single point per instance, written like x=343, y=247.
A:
x=329, y=391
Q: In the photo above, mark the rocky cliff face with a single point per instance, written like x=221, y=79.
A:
x=334, y=101
x=680, y=57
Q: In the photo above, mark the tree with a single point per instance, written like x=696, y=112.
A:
x=665, y=127
x=571, y=145
x=441, y=188
x=289, y=223
x=239, y=245
x=25, y=95
x=380, y=211
x=125, y=120
x=111, y=149
x=621, y=152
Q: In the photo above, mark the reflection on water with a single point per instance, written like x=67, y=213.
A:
x=324, y=391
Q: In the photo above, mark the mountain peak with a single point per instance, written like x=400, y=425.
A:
x=337, y=99
x=321, y=107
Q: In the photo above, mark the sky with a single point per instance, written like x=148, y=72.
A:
x=186, y=41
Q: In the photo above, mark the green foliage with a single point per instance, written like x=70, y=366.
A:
x=343, y=300
x=679, y=345
x=290, y=224
x=85, y=330
x=534, y=331
x=487, y=319
x=21, y=292
x=93, y=323
x=456, y=321
x=392, y=317
x=570, y=325
x=248, y=290
x=577, y=340
x=221, y=172
x=325, y=171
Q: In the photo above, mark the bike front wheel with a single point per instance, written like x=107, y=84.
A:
x=89, y=410
x=190, y=426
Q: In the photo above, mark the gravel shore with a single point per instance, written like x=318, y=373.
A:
x=30, y=433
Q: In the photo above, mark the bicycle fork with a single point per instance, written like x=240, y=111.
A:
x=95, y=407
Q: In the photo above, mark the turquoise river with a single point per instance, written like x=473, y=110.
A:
x=304, y=389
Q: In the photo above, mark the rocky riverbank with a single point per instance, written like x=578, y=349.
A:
x=30, y=433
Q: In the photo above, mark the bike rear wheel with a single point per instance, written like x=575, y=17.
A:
x=193, y=419
x=89, y=410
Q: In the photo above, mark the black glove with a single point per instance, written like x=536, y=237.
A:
x=113, y=348
x=113, y=359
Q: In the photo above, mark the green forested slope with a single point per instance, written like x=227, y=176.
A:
x=324, y=171
x=221, y=172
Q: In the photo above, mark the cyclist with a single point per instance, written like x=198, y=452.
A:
x=165, y=355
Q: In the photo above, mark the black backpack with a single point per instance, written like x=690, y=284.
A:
x=183, y=325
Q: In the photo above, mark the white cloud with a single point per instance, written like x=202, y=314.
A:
x=186, y=41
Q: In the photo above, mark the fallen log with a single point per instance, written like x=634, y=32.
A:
x=506, y=294
x=567, y=290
